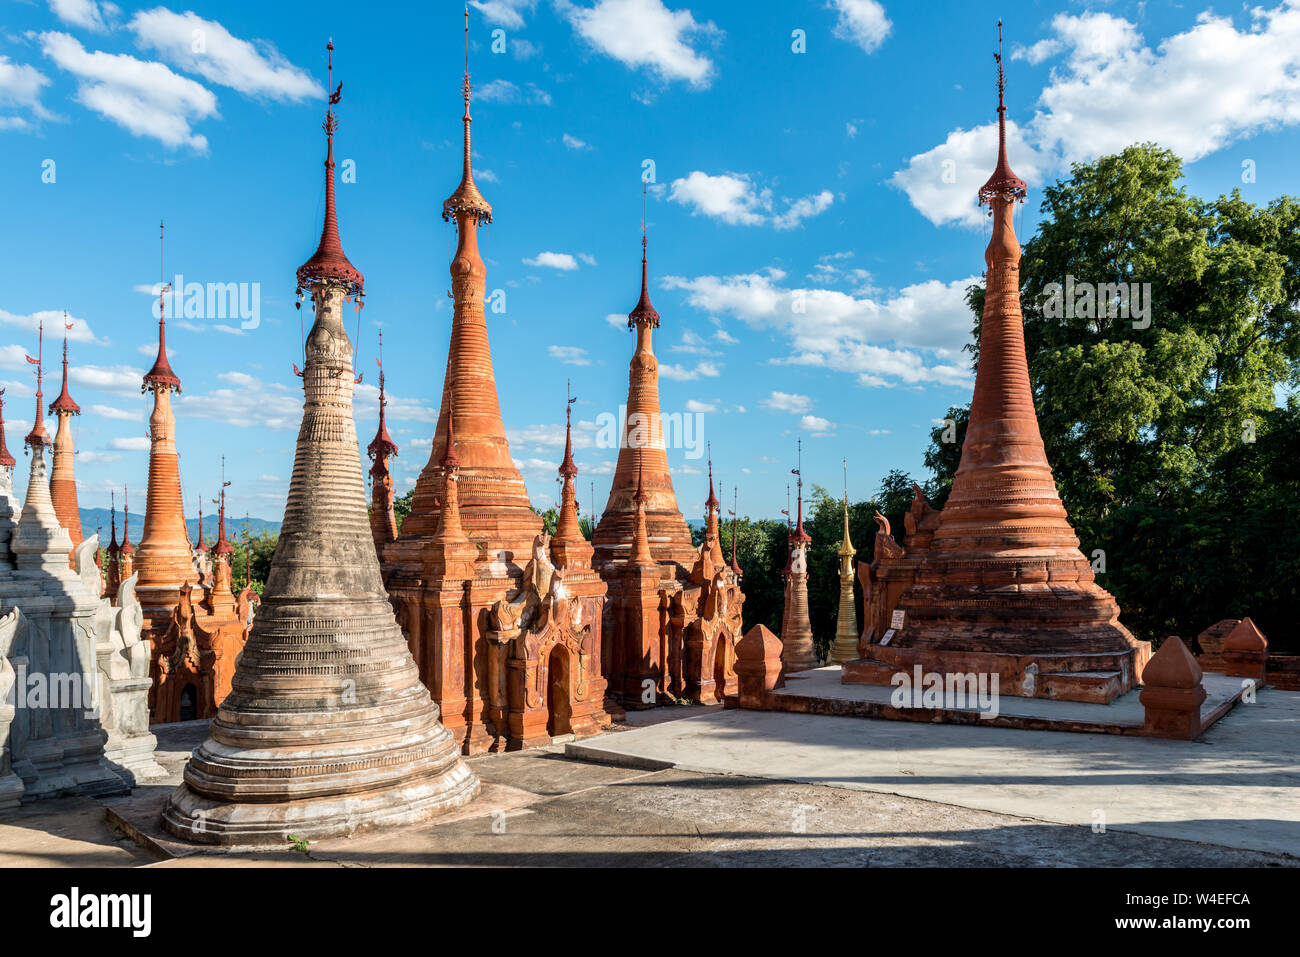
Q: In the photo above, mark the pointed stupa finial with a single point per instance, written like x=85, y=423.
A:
x=222, y=547
x=64, y=402
x=799, y=534
x=127, y=548
x=38, y=437
x=712, y=504
x=161, y=375
x=7, y=460
x=567, y=469
x=202, y=545
x=113, y=547
x=846, y=546
x=1003, y=182
x=467, y=200
x=329, y=261
x=383, y=445
x=644, y=313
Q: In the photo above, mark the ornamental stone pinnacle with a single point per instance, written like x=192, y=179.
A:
x=327, y=728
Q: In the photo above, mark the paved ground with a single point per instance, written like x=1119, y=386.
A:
x=540, y=807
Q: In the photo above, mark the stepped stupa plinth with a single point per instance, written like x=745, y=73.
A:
x=327, y=728
x=1002, y=587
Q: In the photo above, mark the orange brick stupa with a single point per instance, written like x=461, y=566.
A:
x=63, y=483
x=164, y=559
x=507, y=641
x=383, y=522
x=642, y=448
x=1002, y=586
x=674, y=610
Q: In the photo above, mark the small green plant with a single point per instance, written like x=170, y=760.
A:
x=298, y=843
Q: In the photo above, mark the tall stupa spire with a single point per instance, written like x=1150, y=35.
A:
x=7, y=461
x=1003, y=581
x=164, y=559
x=329, y=260
x=383, y=521
x=38, y=437
x=63, y=482
x=353, y=738
x=845, y=646
x=494, y=504
x=798, y=652
x=642, y=457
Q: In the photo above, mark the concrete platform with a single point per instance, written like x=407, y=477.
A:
x=1236, y=786
x=821, y=692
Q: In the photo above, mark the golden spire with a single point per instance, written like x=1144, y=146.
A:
x=846, y=547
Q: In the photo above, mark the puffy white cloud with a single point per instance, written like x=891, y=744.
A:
x=942, y=183
x=1194, y=92
x=787, y=402
x=549, y=260
x=86, y=14
x=191, y=43
x=737, y=200
x=707, y=370
x=506, y=13
x=694, y=405
x=503, y=91
x=645, y=33
x=569, y=355
x=862, y=22
x=124, y=415
x=816, y=425
x=914, y=336
x=146, y=99
x=53, y=320
x=20, y=87
x=573, y=143
x=135, y=443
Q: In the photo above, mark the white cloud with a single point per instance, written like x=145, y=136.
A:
x=692, y=405
x=645, y=33
x=801, y=209
x=503, y=91
x=914, y=336
x=92, y=457
x=53, y=320
x=618, y=320
x=722, y=335
x=253, y=69
x=587, y=259
x=787, y=402
x=86, y=14
x=21, y=86
x=569, y=355
x=146, y=99
x=735, y=199
x=692, y=342
x=816, y=424
x=120, y=380
x=862, y=22
x=573, y=143
x=708, y=370
x=942, y=183
x=729, y=197
x=125, y=415
x=138, y=443
x=851, y=130
x=1193, y=92
x=562, y=261
x=506, y=13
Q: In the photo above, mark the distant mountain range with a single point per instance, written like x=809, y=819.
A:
x=92, y=517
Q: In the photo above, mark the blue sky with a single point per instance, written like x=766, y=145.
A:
x=812, y=218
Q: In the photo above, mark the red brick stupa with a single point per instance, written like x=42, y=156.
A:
x=642, y=451
x=1002, y=587
x=383, y=523
x=494, y=503
x=63, y=483
x=165, y=559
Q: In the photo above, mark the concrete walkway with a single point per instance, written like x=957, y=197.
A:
x=1236, y=786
